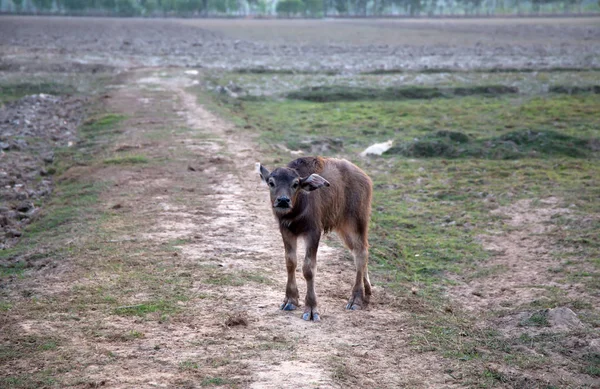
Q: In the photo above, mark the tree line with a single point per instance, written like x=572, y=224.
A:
x=297, y=8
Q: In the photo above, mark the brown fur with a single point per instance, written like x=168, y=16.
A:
x=342, y=204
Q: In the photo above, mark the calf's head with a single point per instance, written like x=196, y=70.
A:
x=285, y=184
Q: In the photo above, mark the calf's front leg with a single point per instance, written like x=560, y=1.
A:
x=290, y=302
x=309, y=269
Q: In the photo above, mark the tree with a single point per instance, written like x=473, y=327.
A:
x=361, y=7
x=313, y=7
x=149, y=6
x=75, y=5
x=233, y=6
x=262, y=6
x=289, y=7
x=341, y=6
x=42, y=5
x=127, y=8
x=415, y=7
x=18, y=5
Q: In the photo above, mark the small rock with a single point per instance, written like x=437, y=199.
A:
x=25, y=206
x=594, y=346
x=48, y=158
x=20, y=144
x=13, y=234
x=4, y=146
x=236, y=320
x=563, y=318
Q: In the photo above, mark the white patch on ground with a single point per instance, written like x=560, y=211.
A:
x=169, y=229
x=292, y=375
x=149, y=80
x=377, y=148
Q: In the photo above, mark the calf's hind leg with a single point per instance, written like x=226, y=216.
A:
x=361, y=291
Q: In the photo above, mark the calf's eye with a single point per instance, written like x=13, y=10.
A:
x=294, y=185
x=271, y=184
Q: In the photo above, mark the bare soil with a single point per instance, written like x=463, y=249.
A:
x=30, y=131
x=521, y=277
x=97, y=44
x=522, y=262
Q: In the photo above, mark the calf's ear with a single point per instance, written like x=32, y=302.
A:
x=262, y=171
x=312, y=182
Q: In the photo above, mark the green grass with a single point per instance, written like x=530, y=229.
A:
x=14, y=269
x=128, y=159
x=324, y=94
x=214, y=381
x=19, y=346
x=37, y=380
x=188, y=365
x=160, y=306
x=592, y=364
x=536, y=319
x=513, y=145
x=358, y=124
x=268, y=84
x=97, y=131
x=100, y=129
x=575, y=89
x=102, y=122
x=219, y=277
x=14, y=91
x=71, y=202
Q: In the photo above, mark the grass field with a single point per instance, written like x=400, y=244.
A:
x=458, y=159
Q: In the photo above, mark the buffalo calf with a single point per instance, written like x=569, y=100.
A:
x=312, y=195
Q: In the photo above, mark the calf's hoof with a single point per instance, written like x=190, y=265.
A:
x=311, y=314
x=288, y=307
x=289, y=304
x=355, y=304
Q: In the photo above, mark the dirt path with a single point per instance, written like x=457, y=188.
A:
x=230, y=251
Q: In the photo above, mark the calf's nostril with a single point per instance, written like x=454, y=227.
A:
x=282, y=202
